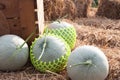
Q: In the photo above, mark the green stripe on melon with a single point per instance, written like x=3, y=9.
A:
x=55, y=54
x=63, y=29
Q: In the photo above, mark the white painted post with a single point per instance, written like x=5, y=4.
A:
x=40, y=14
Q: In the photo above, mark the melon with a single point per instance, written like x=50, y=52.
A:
x=87, y=63
x=63, y=29
x=49, y=52
x=12, y=56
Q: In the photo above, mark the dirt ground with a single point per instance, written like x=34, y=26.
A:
x=101, y=32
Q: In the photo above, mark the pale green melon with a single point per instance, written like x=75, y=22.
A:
x=87, y=63
x=55, y=54
x=63, y=29
x=11, y=56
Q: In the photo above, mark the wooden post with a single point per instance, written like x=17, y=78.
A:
x=40, y=14
x=4, y=27
x=27, y=18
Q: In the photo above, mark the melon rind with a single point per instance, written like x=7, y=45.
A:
x=96, y=69
x=13, y=56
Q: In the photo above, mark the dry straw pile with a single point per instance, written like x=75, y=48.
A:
x=55, y=9
x=82, y=7
x=109, y=9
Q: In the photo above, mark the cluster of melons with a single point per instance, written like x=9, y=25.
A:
x=52, y=51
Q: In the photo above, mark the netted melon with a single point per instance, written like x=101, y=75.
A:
x=49, y=52
x=63, y=29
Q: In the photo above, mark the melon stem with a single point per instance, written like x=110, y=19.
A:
x=44, y=45
x=20, y=47
x=43, y=50
x=88, y=62
x=27, y=40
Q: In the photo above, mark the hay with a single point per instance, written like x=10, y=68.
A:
x=70, y=9
x=55, y=9
x=99, y=37
x=82, y=7
x=99, y=22
x=109, y=9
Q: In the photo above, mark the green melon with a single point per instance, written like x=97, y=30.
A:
x=87, y=63
x=63, y=29
x=13, y=56
x=55, y=53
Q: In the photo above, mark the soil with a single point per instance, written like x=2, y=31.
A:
x=100, y=32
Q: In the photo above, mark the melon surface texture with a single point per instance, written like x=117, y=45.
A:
x=12, y=57
x=87, y=63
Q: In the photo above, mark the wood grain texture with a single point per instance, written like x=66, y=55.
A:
x=4, y=27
